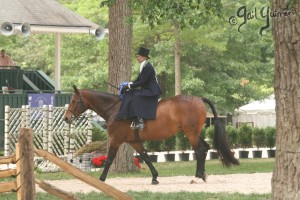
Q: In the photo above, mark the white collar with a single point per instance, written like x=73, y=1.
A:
x=142, y=65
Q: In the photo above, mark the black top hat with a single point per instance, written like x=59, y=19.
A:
x=143, y=52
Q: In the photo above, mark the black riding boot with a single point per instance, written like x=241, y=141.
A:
x=138, y=124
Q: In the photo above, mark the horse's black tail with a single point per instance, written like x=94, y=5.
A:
x=220, y=140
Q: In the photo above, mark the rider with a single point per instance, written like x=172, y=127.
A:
x=141, y=103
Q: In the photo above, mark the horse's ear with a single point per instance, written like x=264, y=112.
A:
x=75, y=89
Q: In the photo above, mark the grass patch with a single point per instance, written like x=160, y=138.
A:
x=181, y=168
x=157, y=196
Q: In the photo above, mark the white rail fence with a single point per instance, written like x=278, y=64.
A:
x=51, y=133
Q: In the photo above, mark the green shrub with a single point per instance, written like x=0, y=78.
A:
x=245, y=136
x=98, y=135
x=210, y=134
x=182, y=142
x=270, y=133
x=153, y=146
x=203, y=133
x=1, y=153
x=232, y=135
x=169, y=144
x=259, y=137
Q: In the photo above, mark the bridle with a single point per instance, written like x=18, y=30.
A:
x=79, y=101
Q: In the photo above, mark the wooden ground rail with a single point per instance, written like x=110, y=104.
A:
x=24, y=172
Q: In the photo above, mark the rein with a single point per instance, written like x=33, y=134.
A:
x=110, y=107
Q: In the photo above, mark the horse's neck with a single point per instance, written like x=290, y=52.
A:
x=104, y=104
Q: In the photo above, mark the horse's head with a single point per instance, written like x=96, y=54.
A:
x=76, y=106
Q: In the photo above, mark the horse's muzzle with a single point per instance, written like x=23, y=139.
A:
x=68, y=119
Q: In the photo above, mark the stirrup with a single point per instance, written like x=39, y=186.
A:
x=138, y=124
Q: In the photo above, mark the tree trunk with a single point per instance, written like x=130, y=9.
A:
x=286, y=31
x=120, y=34
x=177, y=58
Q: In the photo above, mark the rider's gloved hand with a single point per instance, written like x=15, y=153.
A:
x=124, y=89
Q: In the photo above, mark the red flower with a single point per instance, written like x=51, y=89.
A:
x=136, y=161
x=99, y=161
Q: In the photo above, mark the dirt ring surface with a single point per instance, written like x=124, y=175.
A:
x=242, y=183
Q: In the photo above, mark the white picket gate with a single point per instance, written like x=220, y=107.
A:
x=51, y=133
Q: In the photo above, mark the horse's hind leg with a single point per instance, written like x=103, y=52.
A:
x=201, y=153
x=140, y=149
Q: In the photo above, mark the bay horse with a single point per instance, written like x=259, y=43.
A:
x=178, y=113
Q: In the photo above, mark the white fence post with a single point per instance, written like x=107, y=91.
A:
x=50, y=128
x=66, y=134
x=6, y=131
x=72, y=138
x=45, y=127
x=27, y=118
x=90, y=127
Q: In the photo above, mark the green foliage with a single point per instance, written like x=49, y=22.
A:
x=98, y=135
x=270, y=136
x=203, y=133
x=232, y=135
x=182, y=142
x=1, y=153
x=169, y=144
x=215, y=57
x=153, y=146
x=245, y=136
x=259, y=137
x=193, y=12
x=210, y=134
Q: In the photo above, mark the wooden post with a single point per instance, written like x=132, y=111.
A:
x=26, y=165
x=18, y=169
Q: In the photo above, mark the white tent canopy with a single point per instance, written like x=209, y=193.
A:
x=257, y=114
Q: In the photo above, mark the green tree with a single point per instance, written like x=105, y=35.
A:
x=179, y=14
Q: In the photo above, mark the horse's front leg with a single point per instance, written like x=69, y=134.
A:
x=112, y=152
x=140, y=149
x=201, y=153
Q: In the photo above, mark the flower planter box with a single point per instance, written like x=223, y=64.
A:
x=153, y=158
x=257, y=154
x=243, y=154
x=170, y=157
x=184, y=156
x=213, y=155
x=271, y=153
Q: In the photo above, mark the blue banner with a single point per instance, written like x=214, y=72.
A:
x=38, y=100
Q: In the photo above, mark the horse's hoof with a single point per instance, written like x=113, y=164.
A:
x=154, y=182
x=204, y=177
x=102, y=179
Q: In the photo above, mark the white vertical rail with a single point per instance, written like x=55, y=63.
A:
x=6, y=131
x=45, y=127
